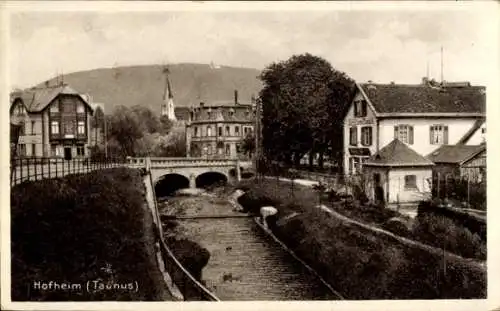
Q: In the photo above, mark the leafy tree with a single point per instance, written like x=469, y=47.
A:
x=125, y=128
x=303, y=101
x=248, y=144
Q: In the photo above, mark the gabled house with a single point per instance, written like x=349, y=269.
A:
x=423, y=116
x=54, y=121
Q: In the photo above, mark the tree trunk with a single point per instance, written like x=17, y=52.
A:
x=321, y=159
x=311, y=160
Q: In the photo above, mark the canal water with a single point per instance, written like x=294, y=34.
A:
x=245, y=263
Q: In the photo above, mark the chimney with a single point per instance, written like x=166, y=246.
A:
x=47, y=83
x=236, y=97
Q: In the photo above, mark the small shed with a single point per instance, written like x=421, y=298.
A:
x=397, y=174
x=460, y=161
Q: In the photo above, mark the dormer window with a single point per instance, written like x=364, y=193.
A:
x=360, y=108
x=231, y=112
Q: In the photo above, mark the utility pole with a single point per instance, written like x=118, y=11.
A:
x=257, y=135
x=442, y=78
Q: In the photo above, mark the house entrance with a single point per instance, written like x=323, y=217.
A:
x=67, y=153
x=379, y=190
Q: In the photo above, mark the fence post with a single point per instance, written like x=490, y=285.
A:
x=468, y=192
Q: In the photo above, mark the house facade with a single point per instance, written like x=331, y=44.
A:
x=54, y=122
x=216, y=130
x=424, y=117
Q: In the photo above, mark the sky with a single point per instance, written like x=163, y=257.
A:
x=380, y=45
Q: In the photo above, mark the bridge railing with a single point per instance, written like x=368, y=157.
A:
x=38, y=168
x=180, y=162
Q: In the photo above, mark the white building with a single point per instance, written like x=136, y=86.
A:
x=424, y=117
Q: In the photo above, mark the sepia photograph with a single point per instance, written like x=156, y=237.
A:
x=300, y=152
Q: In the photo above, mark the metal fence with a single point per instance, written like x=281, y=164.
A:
x=24, y=169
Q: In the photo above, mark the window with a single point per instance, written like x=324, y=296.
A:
x=238, y=148
x=54, y=127
x=231, y=112
x=366, y=136
x=237, y=130
x=483, y=130
x=69, y=127
x=228, y=149
x=404, y=133
x=209, y=149
x=80, y=151
x=360, y=108
x=195, y=131
x=209, y=131
x=33, y=150
x=438, y=134
x=228, y=131
x=80, y=108
x=19, y=109
x=353, y=136
x=22, y=128
x=68, y=107
x=410, y=182
x=22, y=150
x=32, y=127
x=54, y=107
x=54, y=151
x=220, y=130
x=81, y=127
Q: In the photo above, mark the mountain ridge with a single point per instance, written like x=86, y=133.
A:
x=144, y=84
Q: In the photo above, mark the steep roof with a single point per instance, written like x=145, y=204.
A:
x=475, y=127
x=399, y=98
x=455, y=154
x=36, y=99
x=397, y=153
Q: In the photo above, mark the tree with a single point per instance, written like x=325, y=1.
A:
x=248, y=144
x=303, y=102
x=125, y=129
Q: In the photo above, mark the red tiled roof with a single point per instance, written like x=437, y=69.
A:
x=455, y=154
x=397, y=98
x=397, y=153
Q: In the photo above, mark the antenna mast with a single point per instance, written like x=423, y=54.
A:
x=442, y=79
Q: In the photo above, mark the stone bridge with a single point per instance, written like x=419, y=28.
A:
x=191, y=172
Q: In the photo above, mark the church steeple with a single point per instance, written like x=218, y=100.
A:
x=167, y=107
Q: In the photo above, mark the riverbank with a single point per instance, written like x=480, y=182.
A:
x=84, y=229
x=360, y=264
x=245, y=263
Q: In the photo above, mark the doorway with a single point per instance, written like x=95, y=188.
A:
x=67, y=153
x=378, y=189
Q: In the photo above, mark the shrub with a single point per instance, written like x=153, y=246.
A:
x=70, y=229
x=443, y=232
x=361, y=263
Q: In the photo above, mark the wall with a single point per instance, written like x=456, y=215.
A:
x=396, y=184
x=29, y=139
x=478, y=137
x=349, y=121
x=421, y=131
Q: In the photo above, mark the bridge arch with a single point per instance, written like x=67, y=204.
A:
x=210, y=178
x=169, y=183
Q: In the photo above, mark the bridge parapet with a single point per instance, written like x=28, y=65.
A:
x=158, y=162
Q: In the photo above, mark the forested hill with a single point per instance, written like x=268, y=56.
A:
x=144, y=85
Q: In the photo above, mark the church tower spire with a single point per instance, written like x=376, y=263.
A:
x=167, y=107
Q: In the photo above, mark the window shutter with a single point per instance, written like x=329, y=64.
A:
x=410, y=135
x=445, y=134
x=370, y=136
x=430, y=134
x=355, y=135
x=395, y=131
